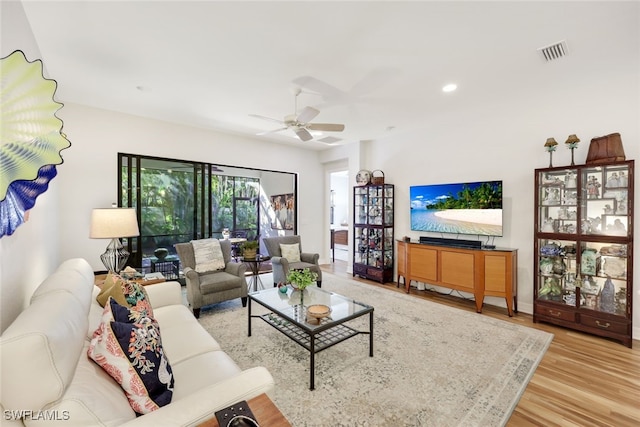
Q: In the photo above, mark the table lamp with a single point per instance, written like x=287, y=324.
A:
x=114, y=223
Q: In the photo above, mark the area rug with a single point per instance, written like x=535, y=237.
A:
x=433, y=365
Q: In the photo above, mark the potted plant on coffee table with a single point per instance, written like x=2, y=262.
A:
x=300, y=280
x=250, y=249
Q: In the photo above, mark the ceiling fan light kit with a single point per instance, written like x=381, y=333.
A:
x=300, y=123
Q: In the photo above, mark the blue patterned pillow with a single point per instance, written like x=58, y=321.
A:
x=129, y=348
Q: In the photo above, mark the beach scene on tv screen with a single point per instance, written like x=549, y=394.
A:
x=464, y=208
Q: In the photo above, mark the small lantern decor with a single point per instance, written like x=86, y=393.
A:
x=572, y=144
x=550, y=146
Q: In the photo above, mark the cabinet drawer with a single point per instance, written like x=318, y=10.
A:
x=604, y=324
x=375, y=273
x=556, y=313
x=360, y=268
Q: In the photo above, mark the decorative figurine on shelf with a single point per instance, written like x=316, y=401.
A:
x=570, y=180
x=613, y=181
x=547, y=226
x=563, y=213
x=570, y=198
x=617, y=228
x=551, y=196
x=623, y=179
x=607, y=296
x=550, y=146
x=593, y=188
x=550, y=179
x=572, y=144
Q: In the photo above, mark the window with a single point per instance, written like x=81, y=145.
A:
x=178, y=201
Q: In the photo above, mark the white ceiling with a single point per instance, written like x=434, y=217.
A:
x=373, y=66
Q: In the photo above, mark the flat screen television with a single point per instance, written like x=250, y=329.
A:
x=463, y=208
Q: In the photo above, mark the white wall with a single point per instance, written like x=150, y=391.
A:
x=504, y=141
x=31, y=252
x=89, y=176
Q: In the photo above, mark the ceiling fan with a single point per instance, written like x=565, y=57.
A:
x=300, y=123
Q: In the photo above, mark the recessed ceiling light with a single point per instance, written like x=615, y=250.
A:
x=450, y=87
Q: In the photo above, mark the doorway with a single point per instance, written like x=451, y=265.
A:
x=339, y=216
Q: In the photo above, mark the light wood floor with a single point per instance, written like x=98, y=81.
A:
x=582, y=380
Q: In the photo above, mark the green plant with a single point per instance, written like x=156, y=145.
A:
x=301, y=278
x=250, y=244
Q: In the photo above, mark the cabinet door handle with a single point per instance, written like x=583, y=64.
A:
x=603, y=325
x=555, y=313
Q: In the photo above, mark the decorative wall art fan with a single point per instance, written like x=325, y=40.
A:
x=31, y=137
x=300, y=123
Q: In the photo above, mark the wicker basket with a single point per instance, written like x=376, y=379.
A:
x=377, y=180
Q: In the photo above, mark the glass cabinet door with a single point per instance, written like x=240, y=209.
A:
x=605, y=201
x=558, y=202
x=603, y=269
x=557, y=271
x=388, y=206
x=361, y=205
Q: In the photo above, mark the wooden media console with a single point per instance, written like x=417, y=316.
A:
x=481, y=272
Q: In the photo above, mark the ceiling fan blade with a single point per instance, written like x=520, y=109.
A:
x=303, y=134
x=307, y=113
x=328, y=127
x=266, y=118
x=320, y=87
x=272, y=131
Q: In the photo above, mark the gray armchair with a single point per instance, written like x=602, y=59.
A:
x=281, y=266
x=209, y=288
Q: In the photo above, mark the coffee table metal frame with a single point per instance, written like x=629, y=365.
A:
x=311, y=336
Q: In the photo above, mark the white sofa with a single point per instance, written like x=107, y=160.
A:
x=45, y=371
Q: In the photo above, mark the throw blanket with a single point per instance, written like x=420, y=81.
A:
x=208, y=254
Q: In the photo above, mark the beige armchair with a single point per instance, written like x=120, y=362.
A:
x=209, y=288
x=282, y=265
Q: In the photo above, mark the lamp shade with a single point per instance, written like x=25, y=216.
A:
x=113, y=223
x=572, y=139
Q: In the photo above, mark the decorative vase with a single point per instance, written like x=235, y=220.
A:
x=161, y=253
x=589, y=262
x=250, y=253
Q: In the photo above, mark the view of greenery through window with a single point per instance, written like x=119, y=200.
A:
x=172, y=207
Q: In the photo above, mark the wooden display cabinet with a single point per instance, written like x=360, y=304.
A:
x=583, y=248
x=373, y=249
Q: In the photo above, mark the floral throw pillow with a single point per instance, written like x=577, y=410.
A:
x=127, y=345
x=136, y=297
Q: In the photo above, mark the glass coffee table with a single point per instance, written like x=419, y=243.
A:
x=289, y=316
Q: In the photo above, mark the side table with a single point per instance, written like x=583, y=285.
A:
x=99, y=280
x=266, y=412
x=254, y=266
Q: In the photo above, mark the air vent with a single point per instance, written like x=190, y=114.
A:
x=330, y=139
x=554, y=51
